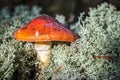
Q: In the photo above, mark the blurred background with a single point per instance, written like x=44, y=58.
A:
x=69, y=8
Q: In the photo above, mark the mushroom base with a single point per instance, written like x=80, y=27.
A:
x=43, y=53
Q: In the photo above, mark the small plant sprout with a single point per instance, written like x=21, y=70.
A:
x=43, y=30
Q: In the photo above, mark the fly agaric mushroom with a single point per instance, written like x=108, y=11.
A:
x=43, y=30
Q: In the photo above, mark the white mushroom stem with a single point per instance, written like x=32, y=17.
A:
x=43, y=52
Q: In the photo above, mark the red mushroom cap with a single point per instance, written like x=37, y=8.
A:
x=44, y=28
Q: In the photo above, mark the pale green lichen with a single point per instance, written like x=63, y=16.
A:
x=100, y=35
x=17, y=59
x=61, y=19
